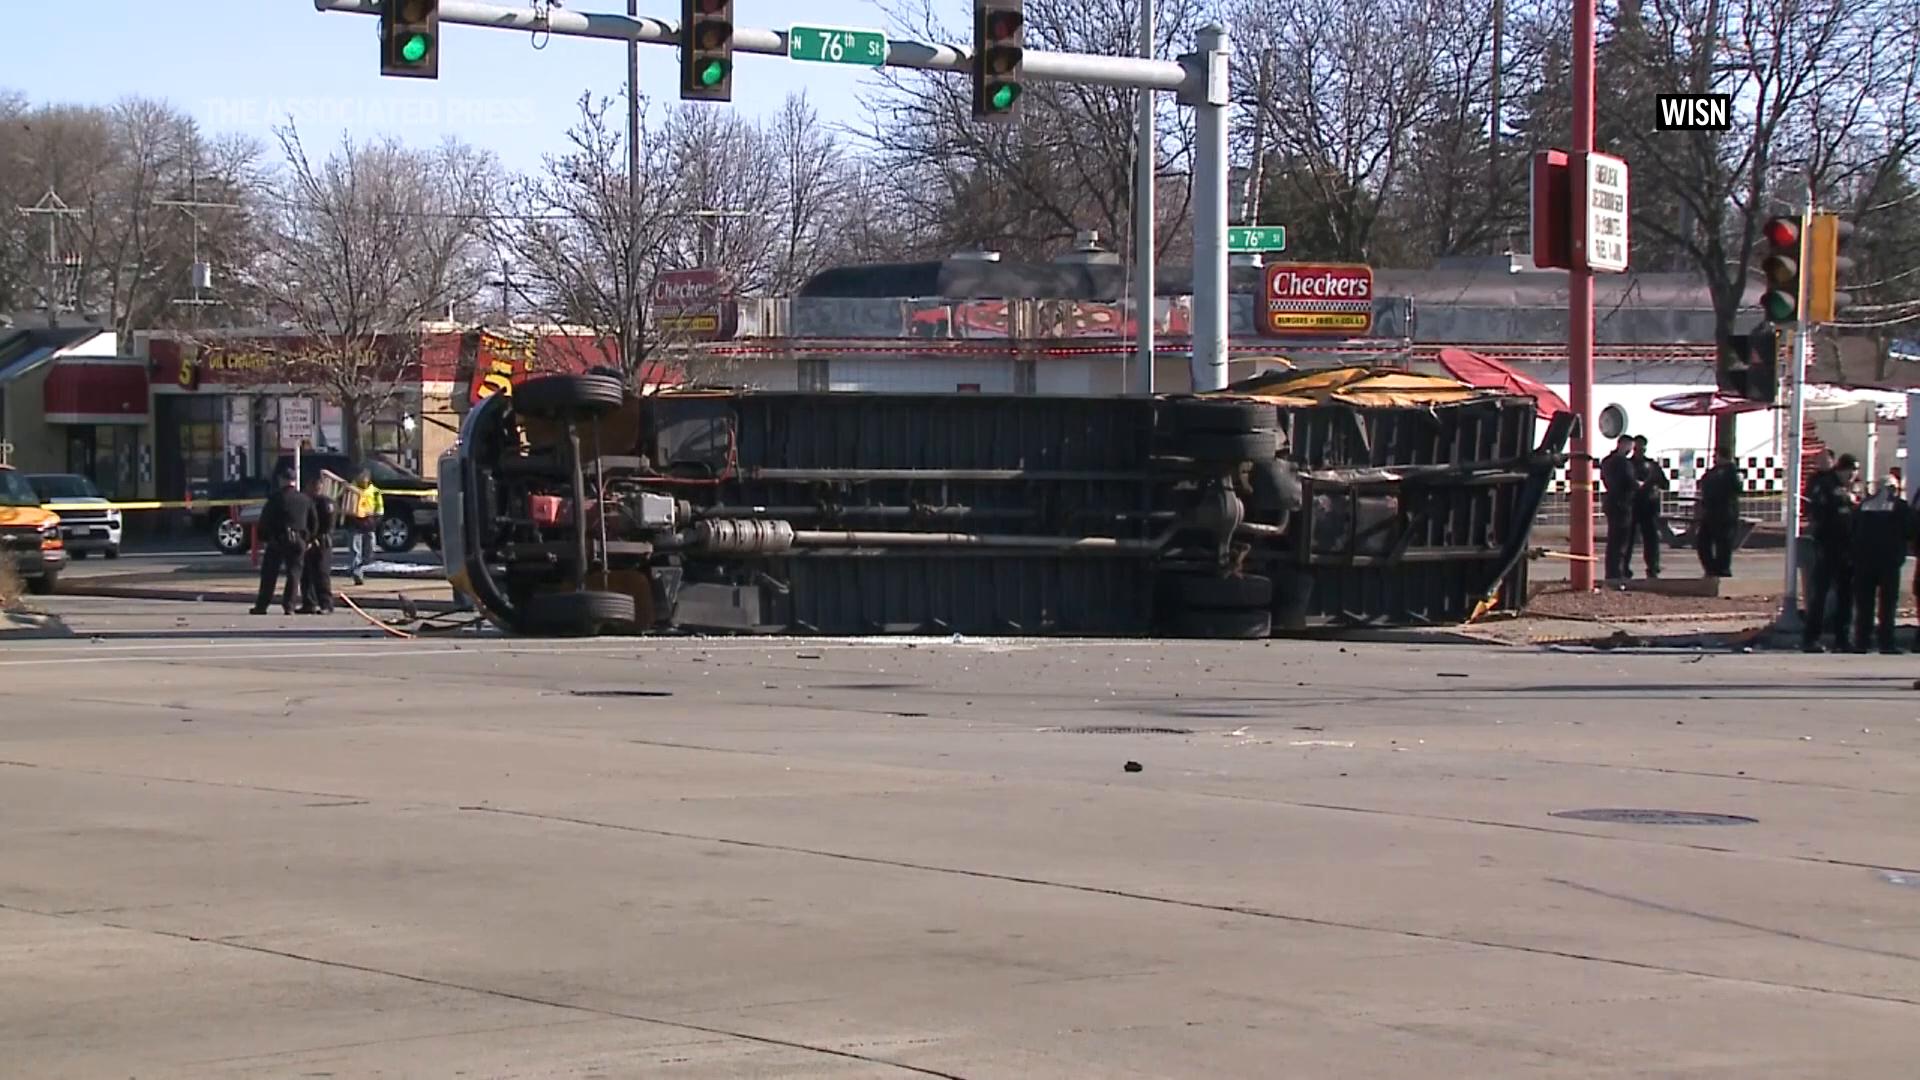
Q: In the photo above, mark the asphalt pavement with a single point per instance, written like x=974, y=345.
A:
x=281, y=847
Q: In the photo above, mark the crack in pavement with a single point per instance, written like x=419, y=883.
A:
x=506, y=995
x=180, y=780
x=1198, y=905
x=1812, y=785
x=1723, y=920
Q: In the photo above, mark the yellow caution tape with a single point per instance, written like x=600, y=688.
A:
x=193, y=504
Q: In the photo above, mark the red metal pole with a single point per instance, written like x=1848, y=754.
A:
x=1580, y=304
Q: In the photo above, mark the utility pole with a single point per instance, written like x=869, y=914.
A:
x=1146, y=305
x=1580, y=305
x=200, y=274
x=1256, y=172
x=53, y=208
x=1493, y=94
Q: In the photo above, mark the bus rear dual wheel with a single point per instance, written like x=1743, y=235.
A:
x=1219, y=608
x=578, y=614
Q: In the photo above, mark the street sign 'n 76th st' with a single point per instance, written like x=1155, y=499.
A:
x=837, y=45
x=1251, y=239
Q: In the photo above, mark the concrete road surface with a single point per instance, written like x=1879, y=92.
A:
x=274, y=847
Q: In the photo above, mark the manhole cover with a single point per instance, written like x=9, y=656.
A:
x=1123, y=729
x=1655, y=817
x=621, y=693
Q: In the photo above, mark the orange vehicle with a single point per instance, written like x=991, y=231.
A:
x=29, y=534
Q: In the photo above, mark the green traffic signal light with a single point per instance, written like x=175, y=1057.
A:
x=414, y=49
x=1004, y=96
x=1779, y=305
x=712, y=72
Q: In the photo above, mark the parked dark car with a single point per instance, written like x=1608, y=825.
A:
x=411, y=514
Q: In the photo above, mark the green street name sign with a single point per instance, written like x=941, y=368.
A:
x=1249, y=239
x=837, y=45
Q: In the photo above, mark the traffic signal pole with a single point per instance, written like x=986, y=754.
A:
x=1200, y=80
x=1580, y=307
x=1796, y=444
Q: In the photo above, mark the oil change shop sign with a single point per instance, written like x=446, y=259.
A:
x=1317, y=298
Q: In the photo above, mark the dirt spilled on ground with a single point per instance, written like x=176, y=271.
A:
x=1559, y=601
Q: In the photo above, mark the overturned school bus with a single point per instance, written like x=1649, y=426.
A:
x=1327, y=497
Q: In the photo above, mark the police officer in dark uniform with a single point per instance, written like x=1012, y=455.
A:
x=1650, y=487
x=1717, y=515
x=1830, y=509
x=316, y=579
x=1617, y=484
x=286, y=525
x=1882, y=529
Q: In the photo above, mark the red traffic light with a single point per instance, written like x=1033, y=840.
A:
x=1782, y=232
x=1003, y=24
x=708, y=7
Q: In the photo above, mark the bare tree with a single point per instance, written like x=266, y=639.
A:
x=584, y=253
x=364, y=246
x=727, y=176
x=1343, y=88
x=816, y=200
x=1824, y=98
x=1065, y=166
x=125, y=256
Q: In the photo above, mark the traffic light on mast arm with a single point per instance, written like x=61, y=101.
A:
x=1826, y=235
x=1782, y=269
x=410, y=38
x=706, y=50
x=999, y=48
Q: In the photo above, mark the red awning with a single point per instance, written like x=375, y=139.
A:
x=1706, y=403
x=96, y=392
x=1489, y=374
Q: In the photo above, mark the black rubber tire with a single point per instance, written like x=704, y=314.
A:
x=43, y=585
x=1276, y=488
x=1224, y=446
x=1195, y=415
x=1245, y=624
x=578, y=614
x=558, y=397
x=1196, y=592
x=230, y=537
x=388, y=532
x=112, y=553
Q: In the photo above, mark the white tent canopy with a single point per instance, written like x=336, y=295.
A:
x=1891, y=405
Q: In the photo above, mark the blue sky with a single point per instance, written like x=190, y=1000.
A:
x=243, y=65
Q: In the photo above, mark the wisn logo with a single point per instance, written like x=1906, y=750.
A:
x=1694, y=112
